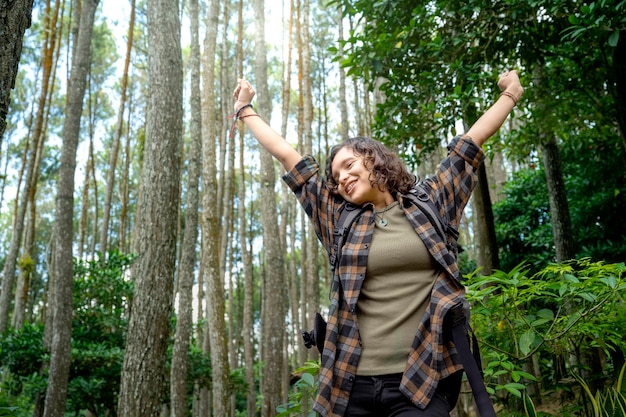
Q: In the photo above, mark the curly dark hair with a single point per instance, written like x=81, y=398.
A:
x=386, y=169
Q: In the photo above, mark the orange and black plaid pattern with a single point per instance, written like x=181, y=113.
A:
x=430, y=359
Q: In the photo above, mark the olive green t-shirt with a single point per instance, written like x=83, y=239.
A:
x=399, y=279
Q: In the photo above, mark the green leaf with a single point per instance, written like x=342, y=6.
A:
x=573, y=19
x=573, y=318
x=526, y=375
x=614, y=39
x=513, y=390
x=546, y=313
x=308, y=379
x=526, y=340
x=587, y=296
x=539, y=322
x=529, y=406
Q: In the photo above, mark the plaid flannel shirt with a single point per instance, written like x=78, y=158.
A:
x=430, y=358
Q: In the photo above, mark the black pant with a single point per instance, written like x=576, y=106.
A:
x=380, y=396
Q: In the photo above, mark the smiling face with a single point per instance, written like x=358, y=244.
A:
x=352, y=177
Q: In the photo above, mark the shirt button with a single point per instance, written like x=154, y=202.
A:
x=351, y=379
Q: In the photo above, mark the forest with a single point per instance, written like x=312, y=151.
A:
x=153, y=262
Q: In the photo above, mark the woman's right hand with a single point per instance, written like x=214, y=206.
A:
x=243, y=94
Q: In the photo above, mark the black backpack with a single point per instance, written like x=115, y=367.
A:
x=456, y=322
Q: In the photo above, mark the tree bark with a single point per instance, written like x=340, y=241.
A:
x=114, y=152
x=486, y=244
x=487, y=247
x=557, y=197
x=15, y=18
x=125, y=179
x=184, y=322
x=343, y=103
x=8, y=276
x=143, y=373
x=248, y=303
x=619, y=89
x=60, y=355
x=311, y=303
x=216, y=326
x=274, y=290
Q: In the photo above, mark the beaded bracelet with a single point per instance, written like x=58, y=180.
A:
x=240, y=109
x=511, y=96
x=235, y=116
x=248, y=115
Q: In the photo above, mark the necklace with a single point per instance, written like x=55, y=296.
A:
x=380, y=215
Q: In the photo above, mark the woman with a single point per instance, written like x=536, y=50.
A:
x=384, y=352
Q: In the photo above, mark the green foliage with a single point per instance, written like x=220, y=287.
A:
x=102, y=293
x=611, y=403
x=8, y=411
x=594, y=179
x=22, y=352
x=522, y=220
x=302, y=394
x=102, y=290
x=603, y=18
x=199, y=371
x=565, y=309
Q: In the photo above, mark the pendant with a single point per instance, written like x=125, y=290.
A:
x=382, y=222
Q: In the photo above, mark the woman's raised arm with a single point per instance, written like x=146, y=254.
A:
x=492, y=119
x=264, y=134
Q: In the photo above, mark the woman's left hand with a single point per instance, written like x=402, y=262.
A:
x=509, y=81
x=243, y=94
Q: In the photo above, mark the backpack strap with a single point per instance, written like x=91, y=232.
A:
x=458, y=316
x=470, y=358
x=349, y=213
x=448, y=233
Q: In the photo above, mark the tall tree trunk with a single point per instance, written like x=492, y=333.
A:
x=557, y=194
x=114, y=151
x=226, y=209
x=143, y=373
x=84, y=210
x=15, y=18
x=125, y=180
x=27, y=262
x=274, y=290
x=487, y=247
x=60, y=355
x=248, y=303
x=26, y=268
x=305, y=224
x=343, y=102
x=487, y=254
x=557, y=197
x=8, y=276
x=184, y=322
x=618, y=89
x=298, y=312
x=311, y=303
x=216, y=326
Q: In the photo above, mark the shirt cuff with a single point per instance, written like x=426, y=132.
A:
x=467, y=149
x=301, y=172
